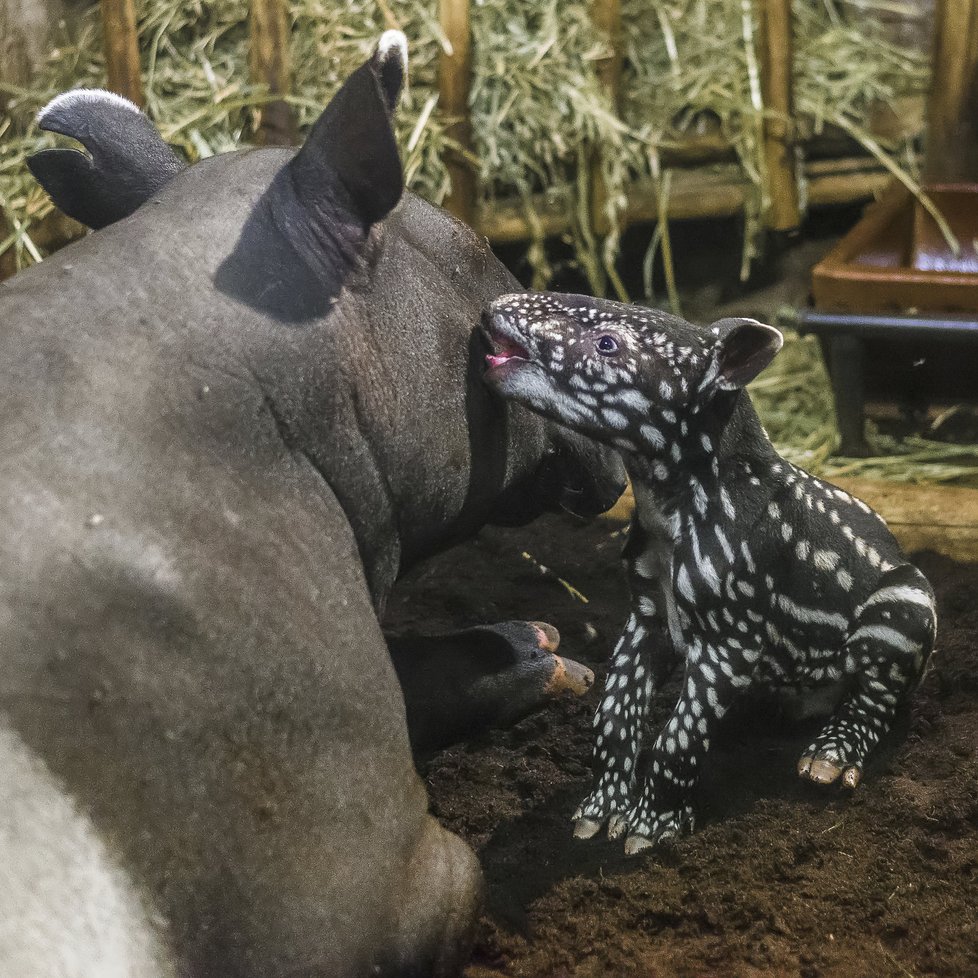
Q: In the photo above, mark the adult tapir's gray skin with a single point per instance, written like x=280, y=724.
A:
x=227, y=423
x=455, y=686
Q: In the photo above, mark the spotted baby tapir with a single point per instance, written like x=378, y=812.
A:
x=757, y=574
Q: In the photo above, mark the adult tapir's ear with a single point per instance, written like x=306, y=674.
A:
x=392, y=53
x=126, y=163
x=744, y=348
x=353, y=140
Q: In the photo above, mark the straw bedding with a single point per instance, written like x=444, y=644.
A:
x=538, y=109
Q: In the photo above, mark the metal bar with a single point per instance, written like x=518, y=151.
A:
x=946, y=327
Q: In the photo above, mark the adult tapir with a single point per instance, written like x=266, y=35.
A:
x=228, y=421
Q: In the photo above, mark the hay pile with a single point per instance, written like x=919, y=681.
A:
x=538, y=106
x=794, y=400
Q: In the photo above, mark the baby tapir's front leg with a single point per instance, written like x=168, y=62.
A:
x=715, y=675
x=642, y=660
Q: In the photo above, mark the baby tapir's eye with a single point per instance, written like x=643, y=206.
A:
x=606, y=345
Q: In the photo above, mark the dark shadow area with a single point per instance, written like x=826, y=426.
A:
x=267, y=273
x=706, y=257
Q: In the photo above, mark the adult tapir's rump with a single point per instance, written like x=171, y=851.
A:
x=202, y=739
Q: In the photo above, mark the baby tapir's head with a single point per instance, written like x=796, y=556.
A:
x=624, y=374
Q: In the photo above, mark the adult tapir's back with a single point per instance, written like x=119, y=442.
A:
x=188, y=642
x=203, y=500
x=133, y=338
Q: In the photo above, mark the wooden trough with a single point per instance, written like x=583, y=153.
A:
x=896, y=310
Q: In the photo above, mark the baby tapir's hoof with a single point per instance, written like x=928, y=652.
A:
x=836, y=753
x=458, y=686
x=822, y=770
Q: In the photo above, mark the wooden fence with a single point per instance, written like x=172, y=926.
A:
x=695, y=191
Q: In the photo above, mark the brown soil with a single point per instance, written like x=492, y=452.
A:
x=780, y=878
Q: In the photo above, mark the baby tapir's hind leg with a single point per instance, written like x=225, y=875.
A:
x=886, y=655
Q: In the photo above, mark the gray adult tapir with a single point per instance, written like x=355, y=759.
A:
x=229, y=420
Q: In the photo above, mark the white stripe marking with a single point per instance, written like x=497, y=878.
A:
x=812, y=616
x=896, y=593
x=883, y=633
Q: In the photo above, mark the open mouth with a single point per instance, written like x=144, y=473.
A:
x=506, y=348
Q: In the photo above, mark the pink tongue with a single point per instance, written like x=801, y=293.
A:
x=496, y=360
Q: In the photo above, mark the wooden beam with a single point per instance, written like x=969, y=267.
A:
x=783, y=212
x=921, y=517
x=121, y=41
x=454, y=86
x=27, y=33
x=269, y=65
x=697, y=193
x=952, y=107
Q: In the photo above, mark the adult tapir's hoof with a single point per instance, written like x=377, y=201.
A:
x=568, y=676
x=460, y=685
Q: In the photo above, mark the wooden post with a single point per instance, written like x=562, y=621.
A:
x=122, y=49
x=269, y=64
x=27, y=29
x=606, y=15
x=952, y=107
x=454, y=85
x=783, y=212
x=8, y=260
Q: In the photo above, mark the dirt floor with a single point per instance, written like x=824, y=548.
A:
x=780, y=878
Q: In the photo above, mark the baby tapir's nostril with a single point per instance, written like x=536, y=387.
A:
x=493, y=321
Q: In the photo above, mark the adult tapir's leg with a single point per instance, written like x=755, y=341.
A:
x=461, y=684
x=244, y=748
x=67, y=910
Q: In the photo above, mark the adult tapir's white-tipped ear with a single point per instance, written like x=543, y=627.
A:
x=391, y=58
x=127, y=160
x=352, y=143
x=744, y=348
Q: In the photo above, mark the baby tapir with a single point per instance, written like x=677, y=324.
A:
x=758, y=573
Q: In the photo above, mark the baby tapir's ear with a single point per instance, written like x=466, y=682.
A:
x=352, y=143
x=126, y=161
x=744, y=348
